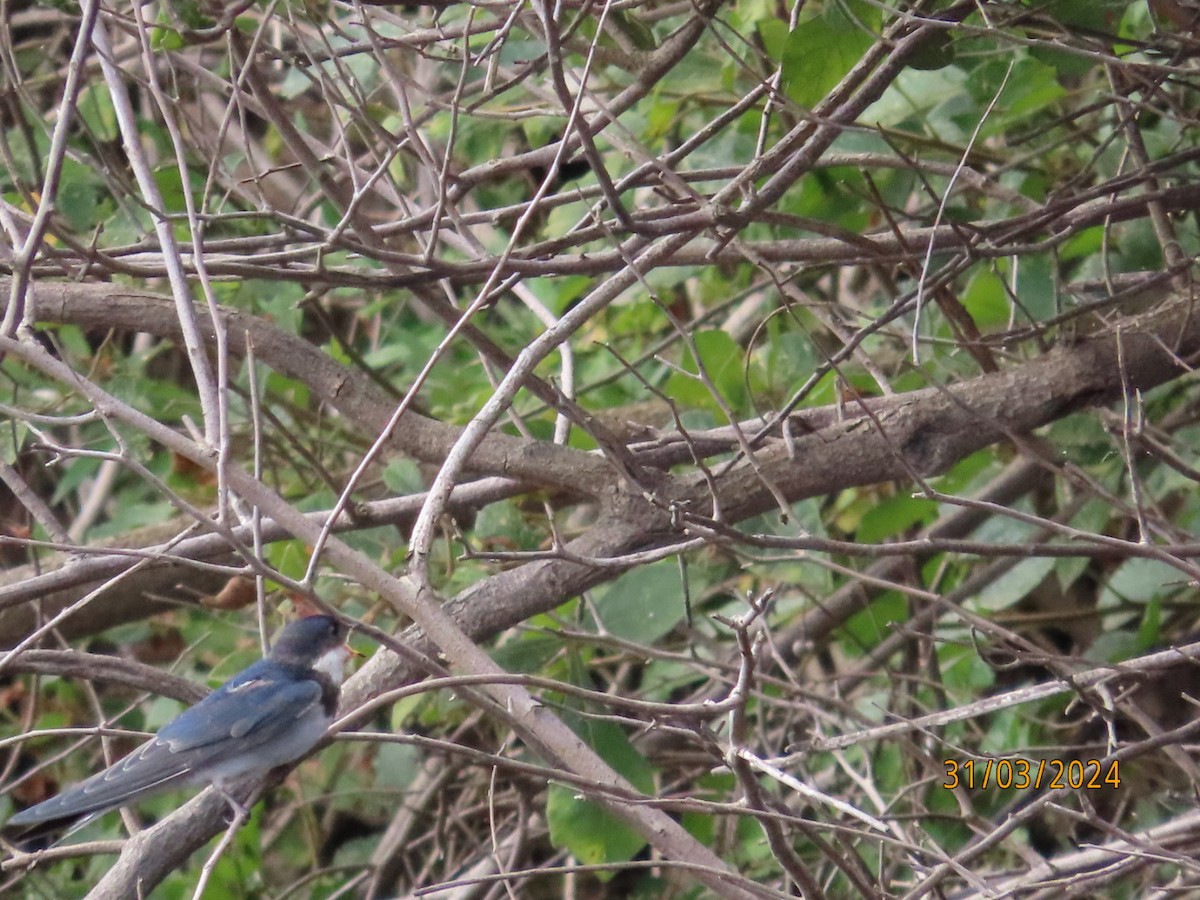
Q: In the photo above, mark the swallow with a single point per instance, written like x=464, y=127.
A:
x=267, y=715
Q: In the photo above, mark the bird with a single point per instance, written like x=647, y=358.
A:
x=269, y=714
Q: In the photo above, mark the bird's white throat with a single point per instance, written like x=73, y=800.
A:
x=333, y=663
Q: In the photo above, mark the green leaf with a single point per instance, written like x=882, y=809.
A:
x=1112, y=646
x=133, y=515
x=591, y=833
x=643, y=604
x=1094, y=15
x=1082, y=438
x=170, y=184
x=1100, y=16
x=1140, y=580
x=82, y=198
x=405, y=710
x=964, y=670
x=160, y=711
x=969, y=472
x=95, y=108
x=893, y=516
x=1009, y=728
x=1031, y=87
x=1037, y=288
x=821, y=51
x=1092, y=518
x=774, y=34
x=1083, y=245
x=790, y=360
x=403, y=476
x=503, y=525
x=13, y=441
x=165, y=39
x=288, y=557
x=935, y=52
x=1015, y=584
x=1149, y=632
x=527, y=653
x=723, y=362
x=867, y=628
x=559, y=293
x=641, y=36
x=987, y=300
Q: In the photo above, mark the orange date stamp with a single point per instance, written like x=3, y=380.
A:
x=1035, y=774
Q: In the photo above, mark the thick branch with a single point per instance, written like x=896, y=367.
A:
x=351, y=393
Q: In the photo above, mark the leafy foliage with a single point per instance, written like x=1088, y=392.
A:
x=813, y=384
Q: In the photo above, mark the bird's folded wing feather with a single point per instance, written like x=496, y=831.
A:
x=246, y=712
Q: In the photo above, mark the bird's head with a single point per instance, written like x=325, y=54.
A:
x=316, y=642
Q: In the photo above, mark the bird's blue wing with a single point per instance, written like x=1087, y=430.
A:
x=258, y=705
